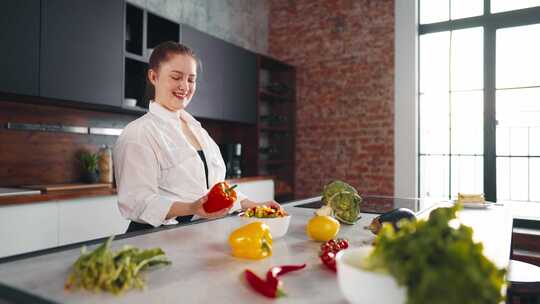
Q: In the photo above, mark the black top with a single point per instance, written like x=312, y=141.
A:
x=203, y=158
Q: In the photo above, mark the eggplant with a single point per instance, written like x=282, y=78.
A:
x=392, y=217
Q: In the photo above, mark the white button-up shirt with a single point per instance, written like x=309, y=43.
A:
x=156, y=166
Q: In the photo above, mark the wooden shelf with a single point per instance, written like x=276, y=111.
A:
x=276, y=124
x=135, y=80
x=136, y=57
x=144, y=30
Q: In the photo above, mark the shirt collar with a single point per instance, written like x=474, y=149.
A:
x=163, y=113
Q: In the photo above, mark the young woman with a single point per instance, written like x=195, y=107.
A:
x=165, y=162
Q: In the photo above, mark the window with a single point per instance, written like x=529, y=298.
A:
x=479, y=98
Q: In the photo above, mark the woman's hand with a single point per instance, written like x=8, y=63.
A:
x=197, y=208
x=248, y=204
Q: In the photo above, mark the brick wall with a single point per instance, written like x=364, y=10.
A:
x=344, y=53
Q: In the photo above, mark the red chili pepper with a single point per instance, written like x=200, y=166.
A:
x=274, y=273
x=263, y=287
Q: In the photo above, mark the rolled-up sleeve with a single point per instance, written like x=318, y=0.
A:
x=239, y=198
x=137, y=172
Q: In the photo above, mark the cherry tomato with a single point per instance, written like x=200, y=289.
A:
x=329, y=260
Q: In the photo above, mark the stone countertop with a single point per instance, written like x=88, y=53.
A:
x=204, y=271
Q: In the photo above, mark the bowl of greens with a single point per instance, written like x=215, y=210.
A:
x=432, y=261
x=383, y=288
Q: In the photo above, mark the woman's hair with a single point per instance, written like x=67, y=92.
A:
x=162, y=53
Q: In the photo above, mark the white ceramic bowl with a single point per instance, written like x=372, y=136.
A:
x=361, y=286
x=278, y=225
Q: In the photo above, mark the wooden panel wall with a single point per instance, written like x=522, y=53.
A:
x=34, y=157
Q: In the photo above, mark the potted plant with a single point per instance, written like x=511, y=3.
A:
x=89, y=163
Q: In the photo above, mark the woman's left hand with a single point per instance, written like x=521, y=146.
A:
x=249, y=204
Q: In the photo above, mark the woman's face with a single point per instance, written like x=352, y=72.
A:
x=175, y=82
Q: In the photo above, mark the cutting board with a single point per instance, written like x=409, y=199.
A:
x=63, y=187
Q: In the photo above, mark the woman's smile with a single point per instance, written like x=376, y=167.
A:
x=180, y=95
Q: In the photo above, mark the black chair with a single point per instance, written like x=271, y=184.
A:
x=524, y=281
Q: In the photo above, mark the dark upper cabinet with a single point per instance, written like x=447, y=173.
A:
x=82, y=50
x=240, y=85
x=227, y=80
x=19, y=51
x=208, y=99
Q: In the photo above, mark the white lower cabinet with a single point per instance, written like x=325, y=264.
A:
x=29, y=227
x=89, y=218
x=258, y=191
x=36, y=226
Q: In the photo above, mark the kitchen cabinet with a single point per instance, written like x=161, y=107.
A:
x=89, y=218
x=160, y=29
x=208, y=99
x=50, y=224
x=239, y=85
x=143, y=32
x=258, y=191
x=96, y=52
x=28, y=228
x=19, y=54
x=227, y=80
x=82, y=51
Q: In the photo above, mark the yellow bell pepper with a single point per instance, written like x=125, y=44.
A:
x=251, y=241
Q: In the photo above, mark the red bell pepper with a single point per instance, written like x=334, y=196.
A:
x=221, y=196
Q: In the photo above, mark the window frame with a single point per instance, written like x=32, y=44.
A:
x=491, y=22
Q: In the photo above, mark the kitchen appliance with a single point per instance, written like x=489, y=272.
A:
x=378, y=204
x=232, y=155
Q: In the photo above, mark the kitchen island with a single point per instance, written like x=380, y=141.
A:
x=203, y=270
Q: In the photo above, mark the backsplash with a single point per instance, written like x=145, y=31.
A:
x=30, y=157
x=44, y=157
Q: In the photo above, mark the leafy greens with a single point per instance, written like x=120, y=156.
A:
x=437, y=261
x=103, y=269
